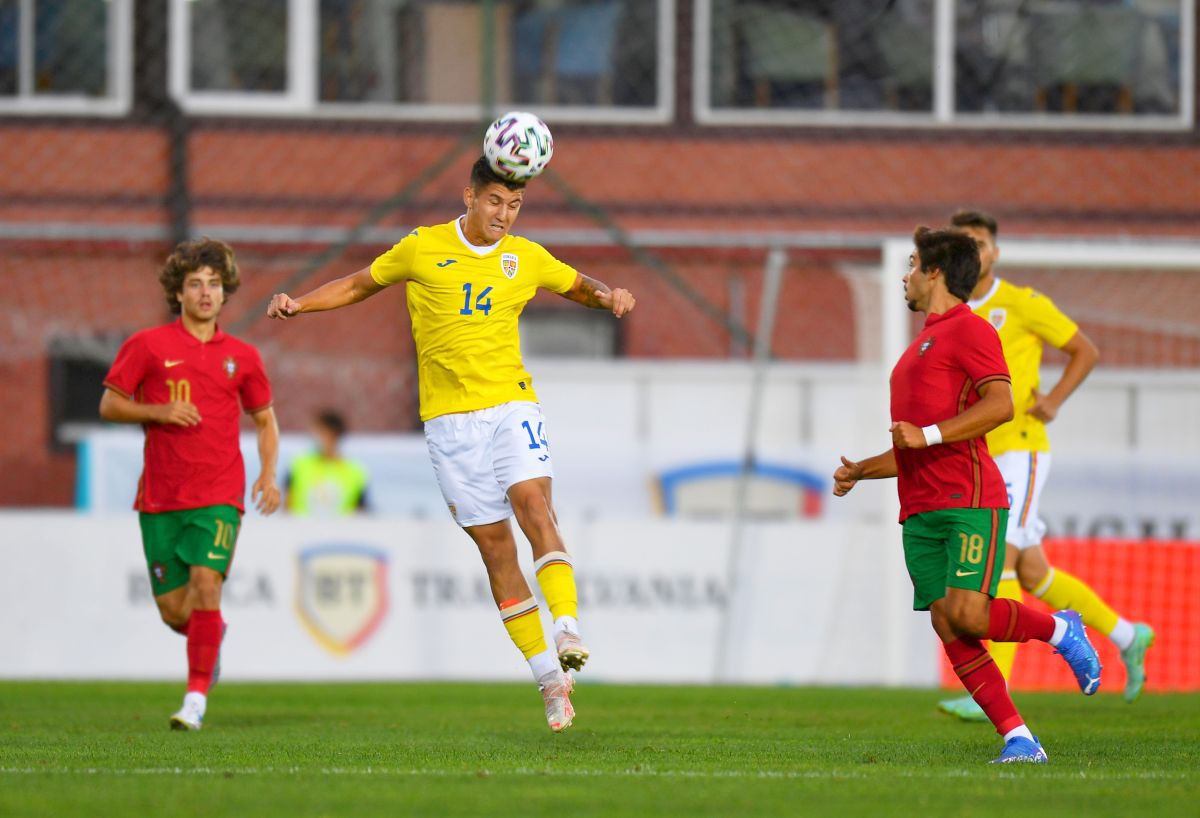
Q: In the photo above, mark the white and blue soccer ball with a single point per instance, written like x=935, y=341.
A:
x=518, y=146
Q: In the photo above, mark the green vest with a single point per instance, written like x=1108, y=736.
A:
x=325, y=487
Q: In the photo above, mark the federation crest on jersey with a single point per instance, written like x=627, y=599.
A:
x=997, y=316
x=341, y=594
x=925, y=345
x=229, y=367
x=508, y=263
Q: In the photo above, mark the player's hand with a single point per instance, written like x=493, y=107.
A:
x=846, y=476
x=282, y=306
x=1044, y=407
x=178, y=413
x=906, y=435
x=619, y=301
x=265, y=494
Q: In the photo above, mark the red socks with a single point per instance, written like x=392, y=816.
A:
x=983, y=680
x=1010, y=621
x=204, y=632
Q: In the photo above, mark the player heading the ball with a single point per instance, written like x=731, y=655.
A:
x=467, y=282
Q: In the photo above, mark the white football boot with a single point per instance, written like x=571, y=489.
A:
x=556, y=688
x=191, y=715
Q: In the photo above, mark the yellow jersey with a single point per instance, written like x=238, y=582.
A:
x=1025, y=320
x=464, y=302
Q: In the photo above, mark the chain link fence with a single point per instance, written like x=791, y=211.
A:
x=693, y=136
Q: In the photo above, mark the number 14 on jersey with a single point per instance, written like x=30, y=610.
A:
x=483, y=303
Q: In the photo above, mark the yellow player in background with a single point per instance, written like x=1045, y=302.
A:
x=1026, y=321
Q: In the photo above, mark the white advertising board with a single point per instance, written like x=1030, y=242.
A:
x=375, y=598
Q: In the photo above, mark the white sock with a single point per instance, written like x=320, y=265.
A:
x=543, y=663
x=1021, y=731
x=1122, y=635
x=566, y=623
x=1060, y=630
x=197, y=700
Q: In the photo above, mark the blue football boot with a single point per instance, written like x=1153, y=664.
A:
x=1078, y=652
x=1020, y=750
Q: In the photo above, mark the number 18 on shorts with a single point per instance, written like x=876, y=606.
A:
x=478, y=455
x=954, y=548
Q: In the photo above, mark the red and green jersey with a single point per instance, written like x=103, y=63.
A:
x=936, y=378
x=191, y=466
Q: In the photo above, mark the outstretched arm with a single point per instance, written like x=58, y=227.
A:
x=341, y=292
x=873, y=468
x=595, y=294
x=265, y=492
x=995, y=406
x=1083, y=356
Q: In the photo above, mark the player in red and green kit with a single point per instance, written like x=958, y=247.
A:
x=187, y=383
x=949, y=389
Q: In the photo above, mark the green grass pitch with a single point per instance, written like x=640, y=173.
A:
x=93, y=749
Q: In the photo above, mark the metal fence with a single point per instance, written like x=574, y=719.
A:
x=693, y=137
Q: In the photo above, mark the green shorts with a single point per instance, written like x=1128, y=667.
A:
x=954, y=548
x=176, y=540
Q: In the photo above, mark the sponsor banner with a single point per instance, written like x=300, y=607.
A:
x=403, y=599
x=1114, y=494
x=1145, y=581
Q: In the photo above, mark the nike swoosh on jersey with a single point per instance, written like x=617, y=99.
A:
x=447, y=262
x=169, y=364
x=213, y=556
x=961, y=573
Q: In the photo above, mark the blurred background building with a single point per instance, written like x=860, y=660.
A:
x=698, y=143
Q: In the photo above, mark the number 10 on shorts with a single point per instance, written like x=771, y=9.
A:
x=538, y=441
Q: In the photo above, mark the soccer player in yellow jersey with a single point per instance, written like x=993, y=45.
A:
x=1026, y=321
x=467, y=282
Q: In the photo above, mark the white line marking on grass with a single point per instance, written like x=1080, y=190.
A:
x=640, y=772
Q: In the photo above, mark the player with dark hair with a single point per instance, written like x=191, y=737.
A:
x=467, y=282
x=949, y=388
x=186, y=383
x=325, y=482
x=1026, y=321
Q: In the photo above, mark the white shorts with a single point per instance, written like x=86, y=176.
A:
x=1025, y=476
x=477, y=456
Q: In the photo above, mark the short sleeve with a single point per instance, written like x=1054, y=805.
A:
x=255, y=389
x=396, y=264
x=129, y=369
x=554, y=275
x=982, y=356
x=1047, y=321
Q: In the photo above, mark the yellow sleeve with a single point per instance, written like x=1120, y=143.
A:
x=553, y=274
x=396, y=264
x=1047, y=321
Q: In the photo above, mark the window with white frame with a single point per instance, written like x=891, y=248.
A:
x=65, y=56
x=1120, y=64
x=589, y=60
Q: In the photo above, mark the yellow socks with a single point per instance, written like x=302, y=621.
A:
x=1004, y=654
x=524, y=626
x=1061, y=590
x=556, y=576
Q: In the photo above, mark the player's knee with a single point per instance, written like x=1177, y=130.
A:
x=1030, y=576
x=173, y=618
x=969, y=620
x=206, y=588
x=497, y=551
x=534, y=512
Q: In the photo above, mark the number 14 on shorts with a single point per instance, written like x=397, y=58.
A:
x=536, y=441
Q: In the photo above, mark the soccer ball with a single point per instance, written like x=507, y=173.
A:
x=518, y=146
